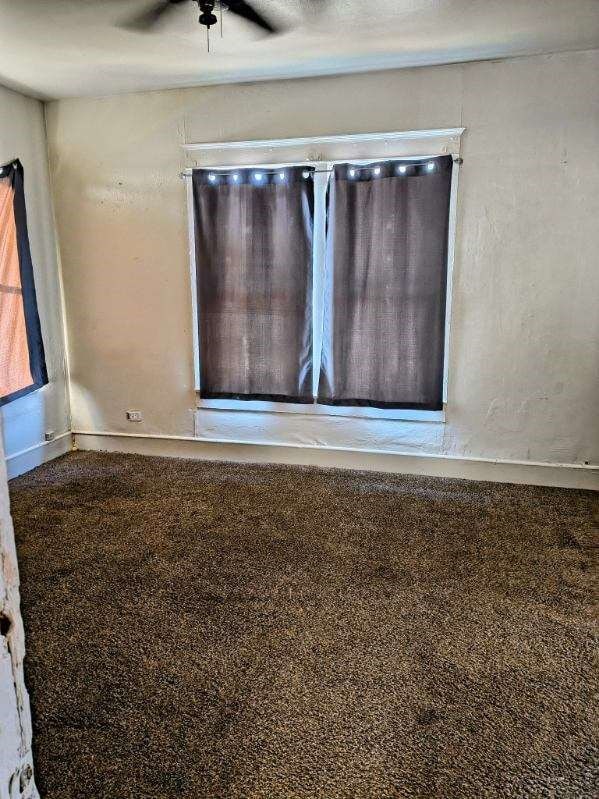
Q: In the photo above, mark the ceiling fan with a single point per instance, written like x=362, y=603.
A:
x=150, y=17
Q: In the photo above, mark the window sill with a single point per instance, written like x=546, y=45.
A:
x=260, y=406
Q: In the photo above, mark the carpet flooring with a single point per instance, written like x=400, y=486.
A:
x=203, y=630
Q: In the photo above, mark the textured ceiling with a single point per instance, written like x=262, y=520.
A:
x=61, y=48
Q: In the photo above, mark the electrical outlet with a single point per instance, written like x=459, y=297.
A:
x=135, y=416
x=49, y=435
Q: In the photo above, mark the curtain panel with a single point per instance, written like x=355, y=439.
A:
x=22, y=360
x=253, y=236
x=386, y=277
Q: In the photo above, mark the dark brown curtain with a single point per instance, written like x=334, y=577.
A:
x=253, y=231
x=386, y=275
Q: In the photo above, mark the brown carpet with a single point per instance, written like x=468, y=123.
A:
x=200, y=630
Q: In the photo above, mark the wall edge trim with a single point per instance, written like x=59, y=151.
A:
x=26, y=459
x=565, y=475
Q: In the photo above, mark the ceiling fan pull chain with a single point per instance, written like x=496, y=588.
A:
x=207, y=17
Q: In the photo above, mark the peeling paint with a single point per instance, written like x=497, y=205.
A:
x=16, y=764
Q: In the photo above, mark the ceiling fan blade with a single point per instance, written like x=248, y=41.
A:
x=247, y=12
x=147, y=19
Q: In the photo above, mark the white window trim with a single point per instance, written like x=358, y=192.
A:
x=371, y=147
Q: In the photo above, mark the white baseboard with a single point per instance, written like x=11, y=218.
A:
x=27, y=459
x=569, y=475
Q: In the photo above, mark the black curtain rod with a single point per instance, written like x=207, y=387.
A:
x=456, y=159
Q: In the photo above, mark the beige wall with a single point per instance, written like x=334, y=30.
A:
x=523, y=364
x=26, y=420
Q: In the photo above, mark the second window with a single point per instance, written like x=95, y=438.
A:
x=358, y=322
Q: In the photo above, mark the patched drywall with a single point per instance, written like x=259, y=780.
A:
x=28, y=419
x=16, y=765
x=525, y=329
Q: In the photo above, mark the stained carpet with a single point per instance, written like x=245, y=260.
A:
x=209, y=630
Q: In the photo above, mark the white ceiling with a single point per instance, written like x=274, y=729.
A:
x=62, y=48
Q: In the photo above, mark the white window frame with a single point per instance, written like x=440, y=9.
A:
x=375, y=147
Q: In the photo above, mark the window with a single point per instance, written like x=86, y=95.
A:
x=322, y=286
x=22, y=363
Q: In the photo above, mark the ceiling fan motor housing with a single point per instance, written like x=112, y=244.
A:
x=207, y=17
